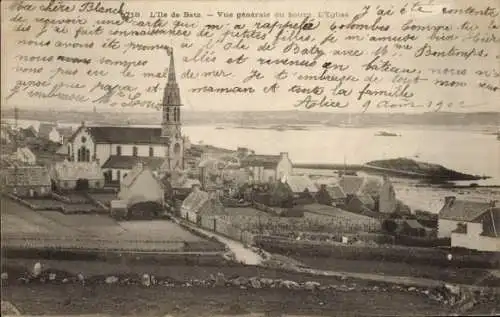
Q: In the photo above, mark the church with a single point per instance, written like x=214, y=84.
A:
x=118, y=149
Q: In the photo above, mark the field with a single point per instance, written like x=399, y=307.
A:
x=65, y=299
x=51, y=228
x=450, y=274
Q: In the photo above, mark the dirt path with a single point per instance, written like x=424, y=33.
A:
x=241, y=253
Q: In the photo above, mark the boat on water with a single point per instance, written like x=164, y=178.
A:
x=384, y=133
x=219, y=128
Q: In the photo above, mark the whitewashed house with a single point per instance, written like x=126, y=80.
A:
x=481, y=233
x=267, y=168
x=141, y=185
x=455, y=212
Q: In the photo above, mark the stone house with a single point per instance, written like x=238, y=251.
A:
x=27, y=181
x=331, y=195
x=199, y=203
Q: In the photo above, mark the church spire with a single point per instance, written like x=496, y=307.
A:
x=171, y=68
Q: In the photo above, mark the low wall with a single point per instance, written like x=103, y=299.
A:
x=379, y=253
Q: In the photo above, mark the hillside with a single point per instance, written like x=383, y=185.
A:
x=266, y=118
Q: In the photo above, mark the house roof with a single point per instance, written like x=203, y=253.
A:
x=335, y=191
x=491, y=222
x=24, y=153
x=26, y=176
x=195, y=201
x=351, y=184
x=266, y=161
x=44, y=129
x=29, y=132
x=124, y=135
x=414, y=224
x=132, y=176
x=366, y=200
x=129, y=162
x=67, y=171
x=371, y=186
x=301, y=183
x=333, y=211
x=463, y=210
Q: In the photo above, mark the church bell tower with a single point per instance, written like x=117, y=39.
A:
x=171, y=123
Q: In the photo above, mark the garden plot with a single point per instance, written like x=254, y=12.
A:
x=157, y=230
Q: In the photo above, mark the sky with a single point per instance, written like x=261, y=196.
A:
x=461, y=99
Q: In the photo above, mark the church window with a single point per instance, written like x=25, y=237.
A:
x=83, y=154
x=168, y=114
x=118, y=150
x=177, y=148
x=151, y=151
x=134, y=151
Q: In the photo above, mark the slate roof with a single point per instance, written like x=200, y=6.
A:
x=491, y=223
x=371, y=186
x=132, y=176
x=366, y=200
x=195, y=201
x=129, y=162
x=351, y=184
x=125, y=135
x=463, y=210
x=29, y=132
x=68, y=171
x=414, y=224
x=25, y=154
x=266, y=161
x=299, y=184
x=26, y=176
x=335, y=191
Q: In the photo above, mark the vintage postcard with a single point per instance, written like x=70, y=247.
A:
x=250, y=158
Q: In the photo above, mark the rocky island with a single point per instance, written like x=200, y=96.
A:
x=415, y=169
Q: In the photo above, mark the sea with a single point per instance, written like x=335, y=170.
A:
x=469, y=151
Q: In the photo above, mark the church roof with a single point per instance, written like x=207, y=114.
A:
x=125, y=135
x=129, y=162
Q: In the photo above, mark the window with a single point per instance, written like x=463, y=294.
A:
x=118, y=150
x=134, y=151
x=84, y=139
x=168, y=114
x=151, y=151
x=118, y=175
x=83, y=154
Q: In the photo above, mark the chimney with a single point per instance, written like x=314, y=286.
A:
x=449, y=200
